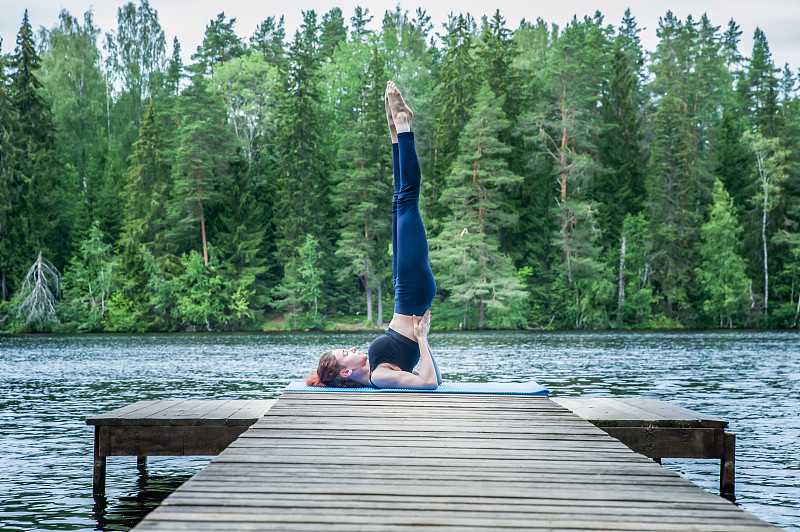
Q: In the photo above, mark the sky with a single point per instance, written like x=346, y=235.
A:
x=187, y=19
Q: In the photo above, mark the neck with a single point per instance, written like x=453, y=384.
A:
x=362, y=375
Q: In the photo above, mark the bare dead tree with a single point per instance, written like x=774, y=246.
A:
x=40, y=305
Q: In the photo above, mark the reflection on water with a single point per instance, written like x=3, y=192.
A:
x=50, y=384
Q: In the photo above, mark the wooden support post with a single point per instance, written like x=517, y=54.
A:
x=141, y=464
x=99, y=473
x=727, y=467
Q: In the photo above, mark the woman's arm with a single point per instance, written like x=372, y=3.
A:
x=385, y=377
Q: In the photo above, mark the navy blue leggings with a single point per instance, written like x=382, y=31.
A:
x=414, y=287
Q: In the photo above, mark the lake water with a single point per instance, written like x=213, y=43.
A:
x=49, y=385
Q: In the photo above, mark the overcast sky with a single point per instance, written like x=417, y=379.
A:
x=187, y=19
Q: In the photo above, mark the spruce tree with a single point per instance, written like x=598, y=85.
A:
x=362, y=191
x=455, y=91
x=300, y=147
x=36, y=162
x=146, y=191
x=679, y=175
x=10, y=189
x=332, y=33
x=619, y=187
x=242, y=236
x=722, y=271
x=763, y=86
x=466, y=254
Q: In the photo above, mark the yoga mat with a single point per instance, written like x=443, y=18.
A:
x=507, y=388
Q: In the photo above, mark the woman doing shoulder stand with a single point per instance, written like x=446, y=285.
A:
x=393, y=356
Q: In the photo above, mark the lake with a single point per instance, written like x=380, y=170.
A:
x=49, y=385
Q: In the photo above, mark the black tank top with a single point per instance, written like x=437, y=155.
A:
x=393, y=348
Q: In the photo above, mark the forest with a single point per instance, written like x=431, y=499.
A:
x=571, y=179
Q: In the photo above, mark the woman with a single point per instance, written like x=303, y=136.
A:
x=393, y=356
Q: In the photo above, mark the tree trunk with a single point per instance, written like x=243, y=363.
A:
x=380, y=305
x=621, y=297
x=465, y=322
x=369, y=301
x=796, y=312
x=765, y=187
x=766, y=270
x=203, y=232
x=482, y=318
x=4, y=286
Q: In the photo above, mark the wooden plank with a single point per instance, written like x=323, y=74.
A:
x=136, y=417
x=103, y=418
x=671, y=411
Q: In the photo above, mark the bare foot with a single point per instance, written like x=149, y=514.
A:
x=390, y=120
x=401, y=114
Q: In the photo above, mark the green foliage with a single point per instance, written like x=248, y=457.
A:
x=543, y=149
x=123, y=315
x=722, y=270
x=90, y=279
x=639, y=298
x=200, y=293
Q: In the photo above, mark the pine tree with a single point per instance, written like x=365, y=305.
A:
x=722, y=270
x=268, y=40
x=565, y=127
x=466, y=253
x=203, y=146
x=220, y=44
x=497, y=52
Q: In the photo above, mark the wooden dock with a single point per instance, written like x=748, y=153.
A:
x=422, y=461
x=182, y=427
x=662, y=430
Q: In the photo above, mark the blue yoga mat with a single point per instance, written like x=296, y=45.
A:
x=507, y=388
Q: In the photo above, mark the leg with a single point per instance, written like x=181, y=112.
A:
x=396, y=171
x=414, y=283
x=415, y=287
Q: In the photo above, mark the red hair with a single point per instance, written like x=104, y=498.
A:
x=329, y=373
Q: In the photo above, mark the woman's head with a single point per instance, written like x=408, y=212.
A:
x=336, y=367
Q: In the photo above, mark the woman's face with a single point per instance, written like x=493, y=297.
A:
x=350, y=358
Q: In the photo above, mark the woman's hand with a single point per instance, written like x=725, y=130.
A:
x=422, y=325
